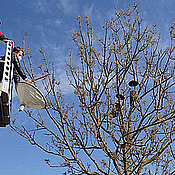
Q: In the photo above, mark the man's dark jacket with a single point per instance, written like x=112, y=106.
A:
x=18, y=71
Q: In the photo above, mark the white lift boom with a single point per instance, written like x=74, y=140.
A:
x=6, y=66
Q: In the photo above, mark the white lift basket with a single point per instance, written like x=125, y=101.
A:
x=6, y=66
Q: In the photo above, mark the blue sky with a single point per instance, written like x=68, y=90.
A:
x=50, y=25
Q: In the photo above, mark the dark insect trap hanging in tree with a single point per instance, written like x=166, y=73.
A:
x=133, y=97
x=133, y=83
x=133, y=93
x=115, y=109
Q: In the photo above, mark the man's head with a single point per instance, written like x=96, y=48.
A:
x=18, y=52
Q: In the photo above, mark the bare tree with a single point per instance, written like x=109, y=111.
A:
x=123, y=119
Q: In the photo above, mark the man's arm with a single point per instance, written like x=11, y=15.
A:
x=28, y=80
x=19, y=69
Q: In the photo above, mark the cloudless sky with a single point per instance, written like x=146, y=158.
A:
x=50, y=25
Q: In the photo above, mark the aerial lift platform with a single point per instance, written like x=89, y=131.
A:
x=6, y=65
x=29, y=95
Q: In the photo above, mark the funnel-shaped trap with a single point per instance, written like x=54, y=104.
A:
x=30, y=96
x=133, y=83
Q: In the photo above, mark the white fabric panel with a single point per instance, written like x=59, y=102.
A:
x=30, y=96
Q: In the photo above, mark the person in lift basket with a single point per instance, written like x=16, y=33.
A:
x=18, y=70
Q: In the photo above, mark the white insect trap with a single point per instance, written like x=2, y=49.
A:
x=30, y=96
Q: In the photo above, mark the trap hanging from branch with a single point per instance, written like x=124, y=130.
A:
x=30, y=96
